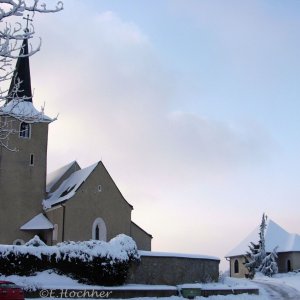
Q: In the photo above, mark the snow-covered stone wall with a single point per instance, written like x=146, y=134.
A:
x=173, y=269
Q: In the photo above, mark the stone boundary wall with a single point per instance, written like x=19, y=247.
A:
x=173, y=270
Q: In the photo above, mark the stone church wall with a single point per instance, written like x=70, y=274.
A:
x=141, y=237
x=242, y=270
x=173, y=270
x=98, y=197
x=56, y=217
x=282, y=262
x=293, y=257
x=22, y=183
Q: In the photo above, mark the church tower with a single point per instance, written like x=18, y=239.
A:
x=23, y=157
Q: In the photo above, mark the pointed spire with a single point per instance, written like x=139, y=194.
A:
x=20, y=86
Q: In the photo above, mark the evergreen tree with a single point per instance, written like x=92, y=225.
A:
x=269, y=265
x=251, y=262
x=257, y=253
x=262, y=241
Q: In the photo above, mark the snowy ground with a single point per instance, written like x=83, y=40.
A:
x=281, y=286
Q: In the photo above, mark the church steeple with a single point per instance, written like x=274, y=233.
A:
x=20, y=86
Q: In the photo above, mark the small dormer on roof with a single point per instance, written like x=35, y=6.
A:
x=20, y=86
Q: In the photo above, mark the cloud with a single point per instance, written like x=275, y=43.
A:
x=114, y=98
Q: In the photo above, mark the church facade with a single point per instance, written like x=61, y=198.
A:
x=68, y=204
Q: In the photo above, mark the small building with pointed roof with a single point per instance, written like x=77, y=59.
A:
x=68, y=204
x=287, y=244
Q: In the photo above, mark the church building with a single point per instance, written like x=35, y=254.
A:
x=69, y=204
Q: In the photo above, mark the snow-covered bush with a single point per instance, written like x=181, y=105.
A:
x=35, y=241
x=90, y=261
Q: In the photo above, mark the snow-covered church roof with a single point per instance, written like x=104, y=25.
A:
x=68, y=187
x=24, y=111
x=274, y=236
x=39, y=222
x=54, y=177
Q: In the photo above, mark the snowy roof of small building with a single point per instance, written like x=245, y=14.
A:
x=24, y=111
x=39, y=222
x=55, y=176
x=68, y=187
x=275, y=236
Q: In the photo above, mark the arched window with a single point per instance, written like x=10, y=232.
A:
x=24, y=130
x=236, y=266
x=99, y=231
x=289, y=266
x=18, y=242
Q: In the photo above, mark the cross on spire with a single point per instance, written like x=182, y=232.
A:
x=27, y=19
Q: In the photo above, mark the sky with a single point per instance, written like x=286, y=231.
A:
x=192, y=105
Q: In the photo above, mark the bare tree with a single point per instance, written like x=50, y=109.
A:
x=12, y=33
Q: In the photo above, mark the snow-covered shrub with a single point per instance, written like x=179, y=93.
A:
x=21, y=260
x=97, y=261
x=35, y=241
x=90, y=261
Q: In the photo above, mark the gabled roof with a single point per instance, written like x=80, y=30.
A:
x=54, y=177
x=68, y=187
x=39, y=222
x=274, y=236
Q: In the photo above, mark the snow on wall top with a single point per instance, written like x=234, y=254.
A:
x=171, y=254
x=68, y=187
x=38, y=222
x=274, y=236
x=24, y=111
x=54, y=176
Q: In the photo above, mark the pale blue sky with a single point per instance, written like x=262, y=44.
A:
x=192, y=105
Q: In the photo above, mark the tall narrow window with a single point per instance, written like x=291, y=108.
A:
x=236, y=266
x=24, y=130
x=31, y=163
x=97, y=237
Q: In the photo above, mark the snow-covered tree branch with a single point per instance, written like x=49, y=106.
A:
x=15, y=27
